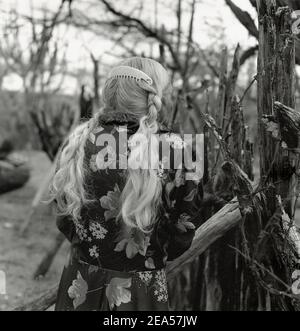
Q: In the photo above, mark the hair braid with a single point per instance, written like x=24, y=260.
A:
x=136, y=200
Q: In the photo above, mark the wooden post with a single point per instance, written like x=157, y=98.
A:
x=276, y=82
x=276, y=75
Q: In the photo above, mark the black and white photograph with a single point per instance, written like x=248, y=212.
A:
x=150, y=158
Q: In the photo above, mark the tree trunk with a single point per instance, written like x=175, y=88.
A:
x=258, y=260
x=276, y=82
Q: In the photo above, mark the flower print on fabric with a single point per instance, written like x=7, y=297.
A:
x=149, y=263
x=184, y=224
x=94, y=252
x=97, y=230
x=160, y=286
x=118, y=292
x=93, y=164
x=111, y=203
x=80, y=230
x=113, y=266
x=78, y=290
x=132, y=243
x=146, y=277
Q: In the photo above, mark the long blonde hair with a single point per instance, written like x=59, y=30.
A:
x=141, y=194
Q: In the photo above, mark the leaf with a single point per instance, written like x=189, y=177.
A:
x=184, y=223
x=181, y=227
x=111, y=202
x=131, y=249
x=78, y=290
x=121, y=245
x=92, y=269
x=191, y=195
x=135, y=242
x=117, y=291
x=144, y=245
x=149, y=263
x=189, y=225
x=179, y=178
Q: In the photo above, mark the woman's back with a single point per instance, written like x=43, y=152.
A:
x=122, y=186
x=100, y=237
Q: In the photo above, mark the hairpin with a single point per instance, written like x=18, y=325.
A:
x=130, y=72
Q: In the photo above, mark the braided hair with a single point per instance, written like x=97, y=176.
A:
x=141, y=195
x=142, y=191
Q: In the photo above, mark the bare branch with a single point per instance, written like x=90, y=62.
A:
x=141, y=26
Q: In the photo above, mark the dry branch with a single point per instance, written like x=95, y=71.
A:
x=230, y=89
x=47, y=260
x=46, y=300
x=219, y=224
x=248, y=53
x=145, y=29
x=222, y=86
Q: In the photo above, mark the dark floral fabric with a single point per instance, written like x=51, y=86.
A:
x=113, y=267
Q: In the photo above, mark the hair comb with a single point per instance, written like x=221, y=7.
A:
x=131, y=73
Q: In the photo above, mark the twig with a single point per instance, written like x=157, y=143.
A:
x=247, y=89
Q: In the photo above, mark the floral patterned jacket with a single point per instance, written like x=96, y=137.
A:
x=99, y=240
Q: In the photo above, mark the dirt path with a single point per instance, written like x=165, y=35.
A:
x=19, y=256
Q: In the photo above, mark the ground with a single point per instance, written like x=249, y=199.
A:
x=20, y=256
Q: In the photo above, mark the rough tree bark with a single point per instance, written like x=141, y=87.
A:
x=247, y=21
x=276, y=82
x=221, y=266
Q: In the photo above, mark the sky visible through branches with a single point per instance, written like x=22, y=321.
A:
x=215, y=25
